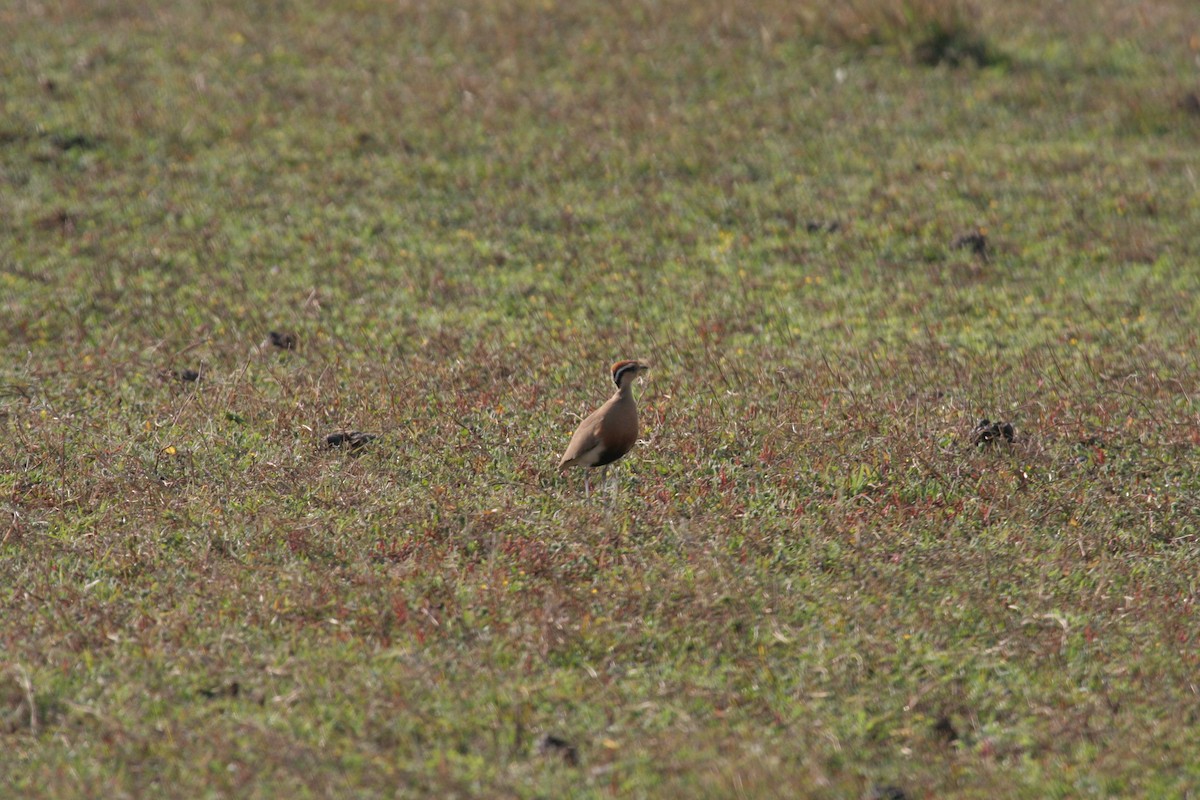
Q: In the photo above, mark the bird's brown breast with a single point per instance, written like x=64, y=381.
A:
x=618, y=432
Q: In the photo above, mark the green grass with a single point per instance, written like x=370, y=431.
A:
x=806, y=581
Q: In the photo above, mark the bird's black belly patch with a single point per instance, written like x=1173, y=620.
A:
x=608, y=456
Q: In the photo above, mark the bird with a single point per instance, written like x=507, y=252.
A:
x=610, y=431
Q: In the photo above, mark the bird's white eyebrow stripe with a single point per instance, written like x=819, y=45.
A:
x=621, y=371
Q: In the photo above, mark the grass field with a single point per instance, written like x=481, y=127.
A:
x=806, y=581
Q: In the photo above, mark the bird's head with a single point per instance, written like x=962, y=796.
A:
x=625, y=371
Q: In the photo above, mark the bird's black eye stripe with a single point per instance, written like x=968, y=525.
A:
x=617, y=375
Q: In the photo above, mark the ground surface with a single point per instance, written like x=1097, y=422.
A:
x=806, y=581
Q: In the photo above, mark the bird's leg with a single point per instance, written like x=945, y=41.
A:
x=587, y=489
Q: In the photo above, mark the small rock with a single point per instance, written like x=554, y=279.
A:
x=944, y=730
x=551, y=745
x=232, y=689
x=284, y=341
x=973, y=240
x=886, y=792
x=987, y=432
x=74, y=141
x=61, y=220
x=353, y=440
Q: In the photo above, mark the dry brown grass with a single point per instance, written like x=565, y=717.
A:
x=807, y=580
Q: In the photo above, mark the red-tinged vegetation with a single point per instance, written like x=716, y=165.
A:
x=844, y=236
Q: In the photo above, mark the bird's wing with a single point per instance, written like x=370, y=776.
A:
x=585, y=439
